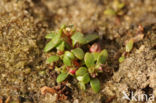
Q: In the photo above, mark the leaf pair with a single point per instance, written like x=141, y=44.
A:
x=81, y=39
x=60, y=43
x=83, y=78
x=68, y=57
x=93, y=59
x=102, y=57
x=82, y=75
x=78, y=52
x=56, y=38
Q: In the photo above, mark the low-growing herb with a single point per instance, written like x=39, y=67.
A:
x=73, y=58
x=128, y=48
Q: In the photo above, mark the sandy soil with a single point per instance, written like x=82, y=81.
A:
x=24, y=23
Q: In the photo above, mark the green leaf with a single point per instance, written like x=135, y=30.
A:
x=109, y=12
x=49, y=46
x=90, y=37
x=63, y=26
x=89, y=60
x=69, y=55
x=81, y=71
x=81, y=39
x=95, y=54
x=67, y=61
x=84, y=79
x=67, y=58
x=77, y=37
x=61, y=46
x=50, y=35
x=52, y=59
x=121, y=59
x=79, y=78
x=55, y=40
x=102, y=57
x=95, y=85
x=82, y=86
x=61, y=77
x=118, y=5
x=129, y=45
x=121, y=5
x=78, y=52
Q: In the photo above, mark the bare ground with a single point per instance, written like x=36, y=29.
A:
x=24, y=23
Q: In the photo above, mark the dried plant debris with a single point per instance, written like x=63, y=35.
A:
x=1, y=101
x=63, y=92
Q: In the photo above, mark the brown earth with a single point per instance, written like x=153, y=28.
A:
x=24, y=23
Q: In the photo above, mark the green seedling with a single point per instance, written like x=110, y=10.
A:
x=129, y=45
x=110, y=12
x=121, y=59
x=85, y=66
x=117, y=5
x=94, y=61
x=128, y=48
x=116, y=9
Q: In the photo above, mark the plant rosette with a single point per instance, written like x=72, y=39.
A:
x=67, y=45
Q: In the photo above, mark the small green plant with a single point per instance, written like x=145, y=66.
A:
x=115, y=9
x=128, y=48
x=121, y=59
x=129, y=45
x=70, y=56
